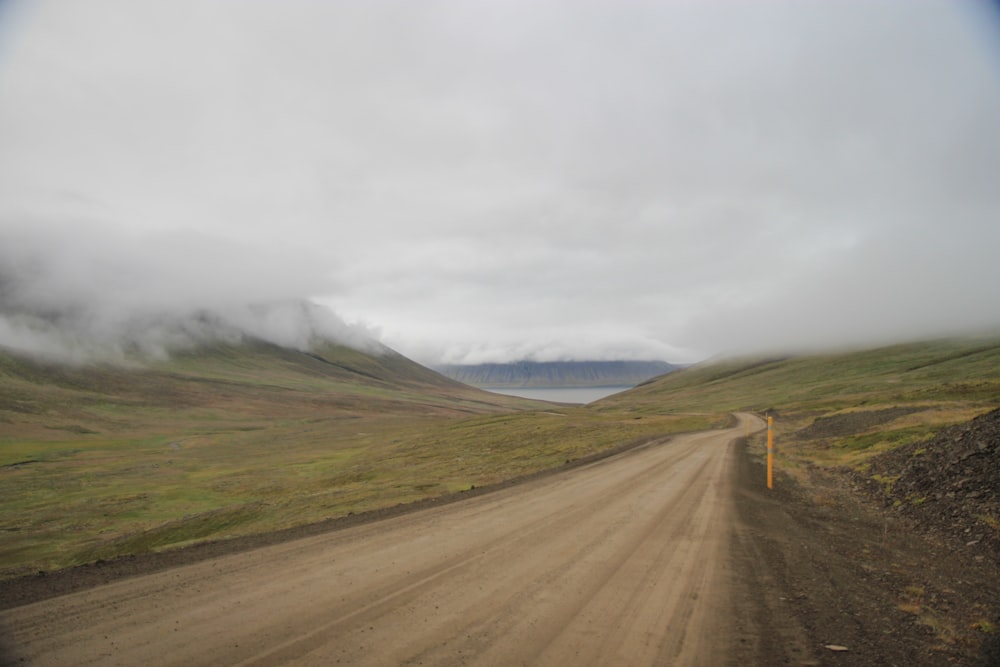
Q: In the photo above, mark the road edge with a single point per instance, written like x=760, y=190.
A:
x=43, y=585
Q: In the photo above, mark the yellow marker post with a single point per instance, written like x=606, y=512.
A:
x=770, y=452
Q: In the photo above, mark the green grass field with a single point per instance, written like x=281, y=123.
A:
x=100, y=462
x=97, y=462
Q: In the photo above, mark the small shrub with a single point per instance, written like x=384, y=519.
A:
x=984, y=626
x=989, y=520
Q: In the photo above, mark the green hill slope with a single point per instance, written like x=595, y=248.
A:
x=837, y=408
x=964, y=371
x=99, y=461
x=230, y=440
x=255, y=380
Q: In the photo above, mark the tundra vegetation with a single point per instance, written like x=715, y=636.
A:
x=102, y=461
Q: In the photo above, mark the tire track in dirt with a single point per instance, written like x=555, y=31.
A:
x=502, y=548
x=597, y=562
x=623, y=561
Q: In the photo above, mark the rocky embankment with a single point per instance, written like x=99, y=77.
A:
x=950, y=483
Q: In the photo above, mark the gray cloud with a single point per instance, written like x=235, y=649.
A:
x=86, y=292
x=487, y=181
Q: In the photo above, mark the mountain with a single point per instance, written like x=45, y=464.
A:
x=224, y=383
x=557, y=373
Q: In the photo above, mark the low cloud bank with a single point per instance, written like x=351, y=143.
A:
x=82, y=293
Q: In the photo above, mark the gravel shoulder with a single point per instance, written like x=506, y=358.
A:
x=857, y=574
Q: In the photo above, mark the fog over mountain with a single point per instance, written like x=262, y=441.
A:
x=83, y=293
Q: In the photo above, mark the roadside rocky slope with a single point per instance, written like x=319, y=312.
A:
x=950, y=483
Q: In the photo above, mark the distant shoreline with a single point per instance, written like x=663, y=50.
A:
x=576, y=395
x=556, y=374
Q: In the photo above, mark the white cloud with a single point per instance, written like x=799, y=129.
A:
x=94, y=291
x=492, y=180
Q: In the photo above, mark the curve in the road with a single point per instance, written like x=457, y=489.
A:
x=623, y=561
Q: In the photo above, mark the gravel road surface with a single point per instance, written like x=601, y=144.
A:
x=620, y=562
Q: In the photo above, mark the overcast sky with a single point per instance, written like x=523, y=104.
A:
x=493, y=180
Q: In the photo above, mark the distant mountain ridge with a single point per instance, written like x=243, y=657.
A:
x=556, y=373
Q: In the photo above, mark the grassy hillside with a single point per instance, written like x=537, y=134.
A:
x=99, y=461
x=837, y=409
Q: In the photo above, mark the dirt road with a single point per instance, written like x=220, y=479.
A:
x=619, y=562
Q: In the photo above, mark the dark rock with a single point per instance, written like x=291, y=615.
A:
x=953, y=484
